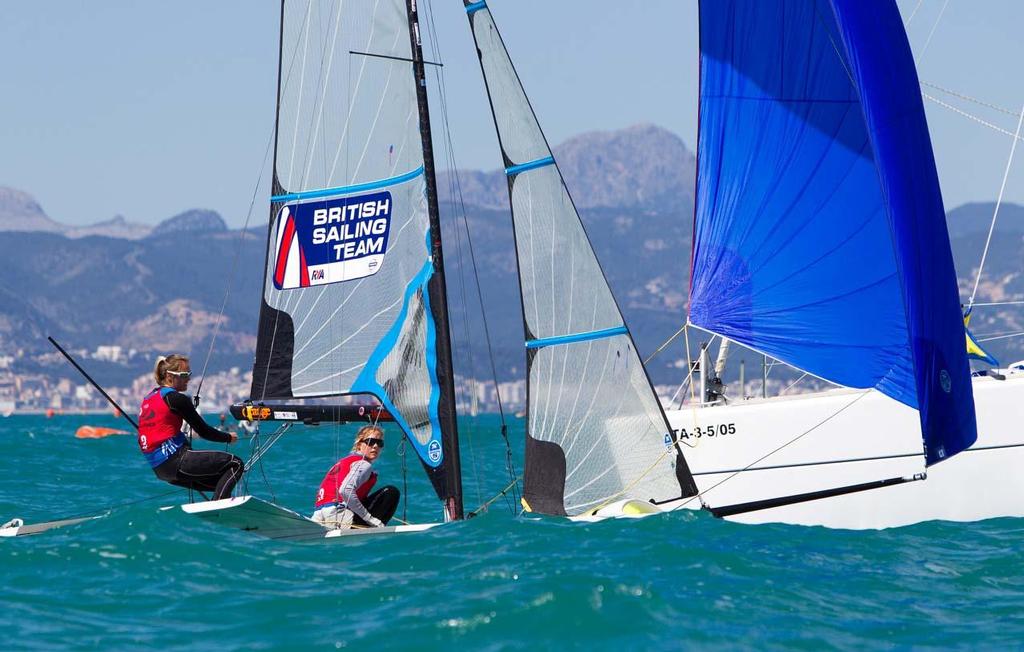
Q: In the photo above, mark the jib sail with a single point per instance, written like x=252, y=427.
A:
x=595, y=429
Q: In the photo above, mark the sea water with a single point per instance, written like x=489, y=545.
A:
x=151, y=578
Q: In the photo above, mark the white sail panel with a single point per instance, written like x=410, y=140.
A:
x=592, y=398
x=595, y=430
x=347, y=113
x=563, y=289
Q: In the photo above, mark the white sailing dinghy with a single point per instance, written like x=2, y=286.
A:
x=354, y=298
x=17, y=527
x=598, y=443
x=820, y=240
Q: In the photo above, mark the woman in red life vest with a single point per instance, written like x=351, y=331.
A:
x=167, y=449
x=344, y=498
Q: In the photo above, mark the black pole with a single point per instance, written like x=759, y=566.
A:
x=436, y=287
x=94, y=383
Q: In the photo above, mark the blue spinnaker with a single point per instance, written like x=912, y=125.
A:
x=820, y=235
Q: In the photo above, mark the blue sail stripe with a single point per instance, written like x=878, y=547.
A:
x=576, y=337
x=523, y=167
x=345, y=190
x=475, y=7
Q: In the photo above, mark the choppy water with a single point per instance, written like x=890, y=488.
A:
x=146, y=578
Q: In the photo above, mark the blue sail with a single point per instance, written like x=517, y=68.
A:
x=819, y=234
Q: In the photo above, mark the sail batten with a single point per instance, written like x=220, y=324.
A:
x=819, y=231
x=596, y=432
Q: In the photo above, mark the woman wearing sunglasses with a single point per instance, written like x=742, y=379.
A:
x=167, y=449
x=344, y=498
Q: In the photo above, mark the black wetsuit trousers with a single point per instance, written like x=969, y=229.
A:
x=214, y=471
x=381, y=503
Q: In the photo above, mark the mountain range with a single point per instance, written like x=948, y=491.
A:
x=161, y=288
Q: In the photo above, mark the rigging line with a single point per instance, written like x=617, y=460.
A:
x=465, y=307
x=917, y=60
x=970, y=99
x=967, y=115
x=234, y=263
x=835, y=48
x=686, y=380
x=999, y=303
x=262, y=450
x=449, y=155
x=1004, y=336
x=700, y=496
x=689, y=362
x=456, y=181
x=665, y=344
x=405, y=479
x=109, y=509
x=914, y=12
x=266, y=480
x=613, y=497
x=394, y=58
x=484, y=506
x=995, y=213
x=792, y=384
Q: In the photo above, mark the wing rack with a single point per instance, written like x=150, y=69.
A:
x=310, y=414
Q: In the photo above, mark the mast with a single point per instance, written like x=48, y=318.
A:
x=437, y=288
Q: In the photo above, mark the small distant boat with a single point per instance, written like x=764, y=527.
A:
x=6, y=407
x=98, y=432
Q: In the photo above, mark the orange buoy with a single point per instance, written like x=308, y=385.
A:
x=97, y=432
x=50, y=412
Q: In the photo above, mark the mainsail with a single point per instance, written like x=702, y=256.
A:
x=596, y=431
x=354, y=298
x=819, y=234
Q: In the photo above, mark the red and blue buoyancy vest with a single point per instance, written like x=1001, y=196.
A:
x=160, y=433
x=328, y=493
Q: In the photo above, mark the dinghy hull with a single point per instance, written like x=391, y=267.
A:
x=251, y=514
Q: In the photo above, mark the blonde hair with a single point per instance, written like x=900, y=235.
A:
x=169, y=363
x=362, y=434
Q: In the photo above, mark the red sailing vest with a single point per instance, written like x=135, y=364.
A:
x=157, y=423
x=328, y=494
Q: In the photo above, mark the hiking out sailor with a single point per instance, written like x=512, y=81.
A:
x=165, y=446
x=344, y=498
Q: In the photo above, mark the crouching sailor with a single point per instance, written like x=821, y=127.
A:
x=167, y=449
x=344, y=498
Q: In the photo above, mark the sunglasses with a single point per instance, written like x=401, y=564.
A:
x=181, y=374
x=373, y=441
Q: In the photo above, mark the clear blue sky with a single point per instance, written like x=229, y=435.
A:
x=148, y=109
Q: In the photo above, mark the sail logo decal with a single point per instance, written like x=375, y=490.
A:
x=434, y=451
x=330, y=241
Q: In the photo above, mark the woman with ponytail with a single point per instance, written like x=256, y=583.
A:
x=165, y=446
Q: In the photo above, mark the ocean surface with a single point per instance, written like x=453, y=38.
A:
x=146, y=578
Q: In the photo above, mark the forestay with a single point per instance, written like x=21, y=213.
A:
x=353, y=299
x=819, y=236
x=595, y=429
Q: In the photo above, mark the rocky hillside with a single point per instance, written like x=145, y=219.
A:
x=162, y=288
